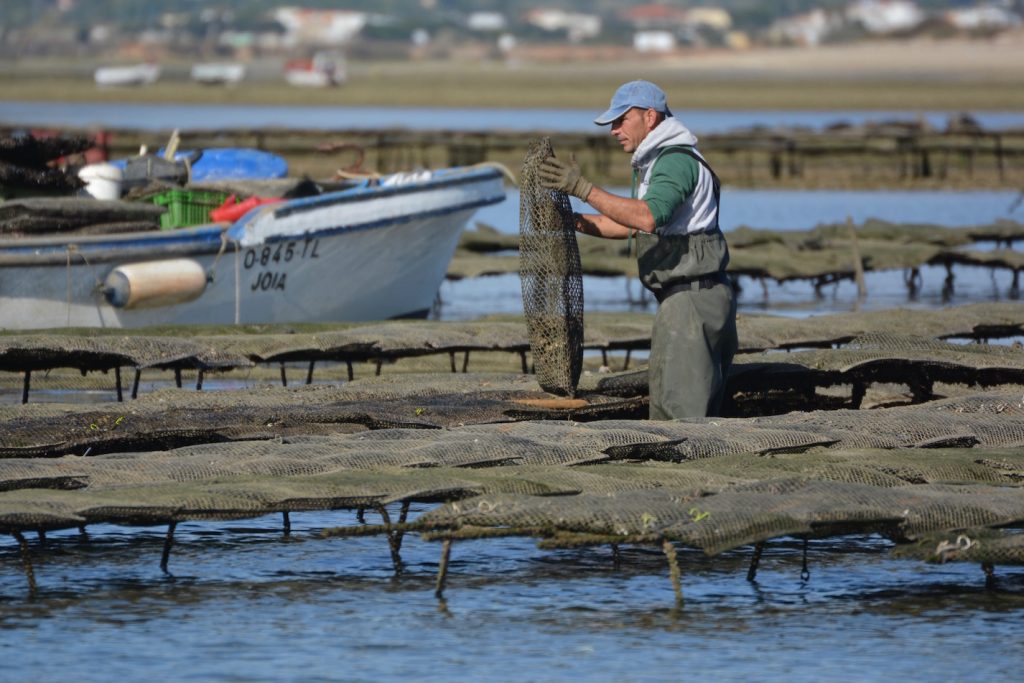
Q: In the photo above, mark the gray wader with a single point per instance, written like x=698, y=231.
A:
x=694, y=337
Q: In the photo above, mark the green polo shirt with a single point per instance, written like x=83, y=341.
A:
x=673, y=179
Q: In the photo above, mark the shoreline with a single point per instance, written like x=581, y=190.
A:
x=932, y=75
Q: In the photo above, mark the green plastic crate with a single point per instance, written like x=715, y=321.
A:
x=187, y=207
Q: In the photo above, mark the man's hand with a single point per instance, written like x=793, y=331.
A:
x=565, y=177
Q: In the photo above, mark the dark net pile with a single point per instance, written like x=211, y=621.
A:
x=169, y=418
x=551, y=276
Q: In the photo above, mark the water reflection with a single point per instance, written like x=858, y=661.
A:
x=252, y=604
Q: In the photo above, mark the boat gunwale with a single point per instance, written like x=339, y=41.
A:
x=208, y=238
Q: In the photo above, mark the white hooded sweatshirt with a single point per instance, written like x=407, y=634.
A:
x=699, y=213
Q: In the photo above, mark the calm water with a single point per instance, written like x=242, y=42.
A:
x=186, y=117
x=248, y=604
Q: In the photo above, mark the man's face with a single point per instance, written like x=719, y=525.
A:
x=631, y=128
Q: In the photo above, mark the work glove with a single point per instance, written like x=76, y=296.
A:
x=564, y=176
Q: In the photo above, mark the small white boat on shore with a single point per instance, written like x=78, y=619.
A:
x=218, y=73
x=369, y=252
x=125, y=76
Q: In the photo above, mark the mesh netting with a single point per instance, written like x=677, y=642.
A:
x=977, y=321
x=170, y=418
x=711, y=484
x=744, y=514
x=875, y=358
x=45, y=351
x=552, y=279
x=174, y=417
x=988, y=546
x=714, y=504
x=823, y=255
x=879, y=349
x=39, y=215
x=223, y=347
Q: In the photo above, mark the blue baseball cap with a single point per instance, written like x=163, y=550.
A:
x=642, y=94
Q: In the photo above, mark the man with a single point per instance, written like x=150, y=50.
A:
x=681, y=252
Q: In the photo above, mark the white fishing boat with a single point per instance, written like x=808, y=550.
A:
x=124, y=76
x=218, y=73
x=370, y=252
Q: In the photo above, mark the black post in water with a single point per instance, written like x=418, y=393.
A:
x=394, y=543
x=442, y=568
x=168, y=542
x=755, y=561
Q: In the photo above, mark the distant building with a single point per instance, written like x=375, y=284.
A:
x=577, y=26
x=809, y=28
x=654, y=41
x=654, y=16
x=688, y=25
x=486, y=21
x=885, y=16
x=319, y=27
x=712, y=17
x=738, y=40
x=668, y=17
x=981, y=18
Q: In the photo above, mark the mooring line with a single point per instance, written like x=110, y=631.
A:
x=26, y=563
x=673, y=570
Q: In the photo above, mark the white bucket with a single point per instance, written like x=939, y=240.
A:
x=102, y=181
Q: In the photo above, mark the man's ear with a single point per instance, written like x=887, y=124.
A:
x=651, y=118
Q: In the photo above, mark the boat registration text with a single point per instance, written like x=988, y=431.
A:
x=268, y=255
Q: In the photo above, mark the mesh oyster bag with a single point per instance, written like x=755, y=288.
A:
x=551, y=277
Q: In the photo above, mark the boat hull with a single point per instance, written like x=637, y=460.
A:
x=365, y=255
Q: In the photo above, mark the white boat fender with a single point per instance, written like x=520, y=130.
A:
x=154, y=283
